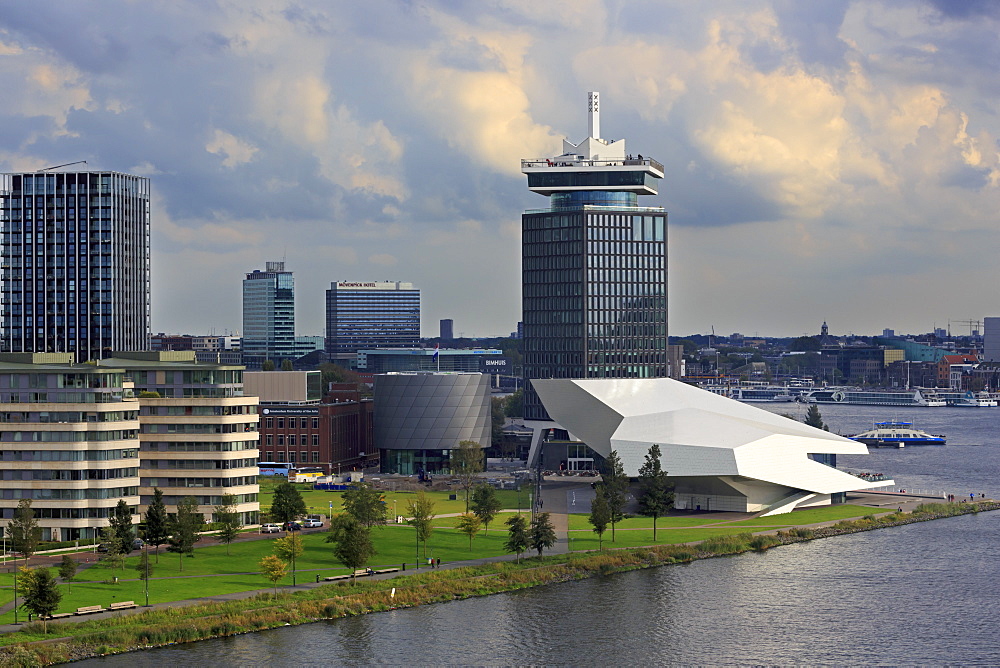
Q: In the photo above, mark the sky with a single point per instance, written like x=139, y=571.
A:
x=824, y=160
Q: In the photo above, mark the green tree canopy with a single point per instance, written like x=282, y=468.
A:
x=352, y=541
x=289, y=549
x=814, y=418
x=365, y=504
x=421, y=511
x=41, y=593
x=268, y=365
x=156, y=529
x=517, y=535
x=287, y=503
x=469, y=524
x=23, y=530
x=67, y=570
x=120, y=531
x=485, y=504
x=541, y=534
x=600, y=515
x=185, y=526
x=286, y=365
x=615, y=484
x=514, y=404
x=497, y=420
x=805, y=344
x=656, y=497
x=273, y=569
x=227, y=517
x=467, y=463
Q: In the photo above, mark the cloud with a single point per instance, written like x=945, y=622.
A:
x=806, y=145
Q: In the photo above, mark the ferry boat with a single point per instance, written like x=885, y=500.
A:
x=855, y=397
x=896, y=435
x=762, y=394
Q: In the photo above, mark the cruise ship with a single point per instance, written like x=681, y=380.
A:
x=856, y=397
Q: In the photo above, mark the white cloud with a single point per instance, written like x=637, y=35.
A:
x=234, y=151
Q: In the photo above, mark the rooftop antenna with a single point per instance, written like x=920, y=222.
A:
x=67, y=164
x=594, y=107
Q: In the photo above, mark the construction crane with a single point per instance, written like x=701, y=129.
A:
x=975, y=326
x=78, y=162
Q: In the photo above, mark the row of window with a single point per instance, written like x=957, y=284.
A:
x=236, y=481
x=37, y=436
x=69, y=474
x=69, y=494
x=199, y=410
x=68, y=416
x=291, y=456
x=292, y=439
x=199, y=463
x=185, y=428
x=63, y=397
x=279, y=422
x=199, y=446
x=67, y=455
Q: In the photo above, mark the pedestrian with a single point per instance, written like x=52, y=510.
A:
x=439, y=562
x=900, y=509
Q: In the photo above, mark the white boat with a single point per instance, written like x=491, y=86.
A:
x=977, y=400
x=856, y=397
x=896, y=435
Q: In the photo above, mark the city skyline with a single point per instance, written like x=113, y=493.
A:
x=823, y=161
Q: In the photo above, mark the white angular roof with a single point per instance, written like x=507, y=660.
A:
x=699, y=433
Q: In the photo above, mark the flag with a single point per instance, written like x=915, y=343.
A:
x=437, y=347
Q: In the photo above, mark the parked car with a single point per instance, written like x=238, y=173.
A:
x=292, y=526
x=270, y=528
x=138, y=543
x=312, y=524
x=102, y=548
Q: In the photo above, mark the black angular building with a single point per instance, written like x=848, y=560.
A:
x=594, y=266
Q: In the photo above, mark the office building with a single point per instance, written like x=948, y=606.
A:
x=447, y=332
x=69, y=442
x=594, y=266
x=370, y=315
x=991, y=339
x=75, y=262
x=283, y=386
x=430, y=359
x=268, y=315
x=198, y=432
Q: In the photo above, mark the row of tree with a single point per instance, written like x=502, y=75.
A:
x=656, y=493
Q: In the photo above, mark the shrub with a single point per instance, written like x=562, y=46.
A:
x=761, y=543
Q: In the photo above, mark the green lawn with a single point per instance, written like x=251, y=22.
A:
x=810, y=516
x=580, y=521
x=587, y=540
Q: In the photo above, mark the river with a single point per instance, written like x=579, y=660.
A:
x=914, y=595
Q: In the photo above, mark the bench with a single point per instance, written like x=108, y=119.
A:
x=61, y=615
x=122, y=605
x=387, y=570
x=360, y=572
x=88, y=610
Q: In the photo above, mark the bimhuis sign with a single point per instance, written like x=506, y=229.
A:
x=494, y=365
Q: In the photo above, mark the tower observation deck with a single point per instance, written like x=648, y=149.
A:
x=594, y=266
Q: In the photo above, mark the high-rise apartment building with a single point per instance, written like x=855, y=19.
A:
x=75, y=262
x=447, y=329
x=594, y=266
x=198, y=434
x=69, y=443
x=269, y=315
x=371, y=315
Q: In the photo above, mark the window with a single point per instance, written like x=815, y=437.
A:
x=291, y=439
x=315, y=456
x=281, y=423
x=304, y=422
x=281, y=439
x=269, y=423
x=291, y=456
x=269, y=440
x=315, y=440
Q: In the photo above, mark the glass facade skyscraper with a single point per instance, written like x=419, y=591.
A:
x=75, y=256
x=269, y=315
x=371, y=315
x=594, y=266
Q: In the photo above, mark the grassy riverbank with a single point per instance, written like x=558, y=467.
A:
x=160, y=627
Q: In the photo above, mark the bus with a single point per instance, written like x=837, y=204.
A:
x=275, y=468
x=306, y=474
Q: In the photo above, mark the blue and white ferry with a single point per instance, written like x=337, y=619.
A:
x=896, y=435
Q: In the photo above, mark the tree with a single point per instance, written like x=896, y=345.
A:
x=184, y=527
x=421, y=512
x=120, y=532
x=286, y=365
x=365, y=504
x=67, y=570
x=467, y=463
x=657, y=496
x=228, y=519
x=41, y=593
x=615, y=486
x=287, y=504
x=469, y=524
x=514, y=404
x=600, y=515
x=156, y=532
x=485, y=504
x=23, y=530
x=497, y=420
x=273, y=569
x=805, y=343
x=517, y=536
x=289, y=549
x=814, y=418
x=268, y=365
x=541, y=534
x=352, y=541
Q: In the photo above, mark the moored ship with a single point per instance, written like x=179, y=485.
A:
x=855, y=397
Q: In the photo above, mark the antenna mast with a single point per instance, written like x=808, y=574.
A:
x=594, y=107
x=78, y=162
